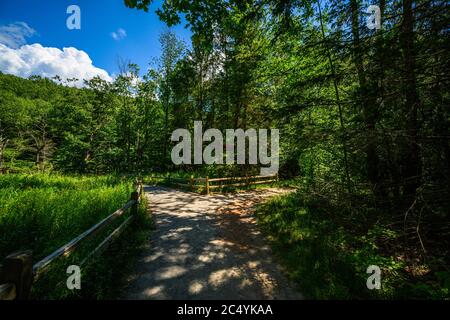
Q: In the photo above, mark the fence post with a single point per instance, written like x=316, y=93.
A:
x=141, y=189
x=135, y=196
x=192, y=183
x=207, y=185
x=276, y=179
x=18, y=269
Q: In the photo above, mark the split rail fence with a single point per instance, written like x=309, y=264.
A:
x=210, y=185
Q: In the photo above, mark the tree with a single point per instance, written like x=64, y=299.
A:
x=172, y=49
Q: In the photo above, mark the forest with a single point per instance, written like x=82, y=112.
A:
x=363, y=116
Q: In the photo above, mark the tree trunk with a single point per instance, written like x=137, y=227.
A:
x=338, y=101
x=3, y=144
x=166, y=126
x=411, y=158
x=367, y=102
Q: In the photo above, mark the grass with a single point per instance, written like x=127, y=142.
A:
x=328, y=257
x=41, y=212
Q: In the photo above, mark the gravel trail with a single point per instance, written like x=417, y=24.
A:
x=207, y=247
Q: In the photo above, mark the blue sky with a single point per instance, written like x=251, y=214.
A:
x=99, y=19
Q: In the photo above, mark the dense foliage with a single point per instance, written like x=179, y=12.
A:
x=95, y=129
x=363, y=114
x=42, y=212
x=364, y=118
x=326, y=248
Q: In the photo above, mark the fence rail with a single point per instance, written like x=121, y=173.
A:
x=17, y=273
x=208, y=184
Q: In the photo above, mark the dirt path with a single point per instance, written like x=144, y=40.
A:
x=207, y=247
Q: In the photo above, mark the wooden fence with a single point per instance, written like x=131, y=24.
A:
x=18, y=273
x=209, y=185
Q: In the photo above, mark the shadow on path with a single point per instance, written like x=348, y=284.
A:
x=206, y=247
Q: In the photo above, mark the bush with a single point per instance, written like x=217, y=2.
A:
x=328, y=257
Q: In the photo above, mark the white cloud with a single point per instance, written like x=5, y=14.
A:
x=49, y=62
x=14, y=35
x=119, y=34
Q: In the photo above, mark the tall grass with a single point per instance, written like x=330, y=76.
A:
x=41, y=212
